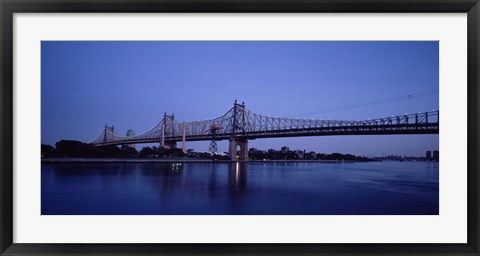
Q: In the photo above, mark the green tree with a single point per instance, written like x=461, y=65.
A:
x=48, y=151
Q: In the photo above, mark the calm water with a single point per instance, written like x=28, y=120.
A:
x=253, y=188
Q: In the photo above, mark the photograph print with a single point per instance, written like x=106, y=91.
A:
x=240, y=128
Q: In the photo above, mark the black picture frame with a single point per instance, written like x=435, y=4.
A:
x=8, y=8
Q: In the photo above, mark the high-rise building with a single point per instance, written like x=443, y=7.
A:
x=130, y=133
x=285, y=149
x=429, y=155
x=436, y=155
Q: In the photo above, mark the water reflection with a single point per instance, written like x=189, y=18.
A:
x=212, y=178
x=240, y=188
x=162, y=169
x=156, y=169
x=237, y=175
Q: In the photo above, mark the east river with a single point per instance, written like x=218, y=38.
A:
x=303, y=188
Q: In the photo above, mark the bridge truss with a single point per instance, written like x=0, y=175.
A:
x=240, y=123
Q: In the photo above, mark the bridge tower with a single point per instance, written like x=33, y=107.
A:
x=232, y=149
x=184, y=134
x=238, y=128
x=168, y=130
x=106, y=131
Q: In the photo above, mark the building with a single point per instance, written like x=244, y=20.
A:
x=130, y=133
x=436, y=156
x=301, y=154
x=429, y=155
x=285, y=149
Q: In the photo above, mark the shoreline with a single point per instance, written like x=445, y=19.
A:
x=174, y=160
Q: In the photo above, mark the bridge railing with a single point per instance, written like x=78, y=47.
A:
x=239, y=120
x=256, y=123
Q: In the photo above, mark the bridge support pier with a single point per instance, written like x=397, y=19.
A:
x=184, y=149
x=232, y=149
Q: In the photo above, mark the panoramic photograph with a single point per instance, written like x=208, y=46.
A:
x=240, y=128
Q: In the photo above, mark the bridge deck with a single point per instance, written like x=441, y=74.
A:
x=402, y=129
x=239, y=122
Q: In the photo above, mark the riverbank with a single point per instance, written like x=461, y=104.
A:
x=128, y=160
x=172, y=160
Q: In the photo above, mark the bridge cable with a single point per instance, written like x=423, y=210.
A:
x=370, y=103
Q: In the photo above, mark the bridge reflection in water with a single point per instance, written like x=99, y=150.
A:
x=237, y=175
x=240, y=188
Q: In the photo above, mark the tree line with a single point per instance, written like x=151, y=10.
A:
x=272, y=154
x=73, y=148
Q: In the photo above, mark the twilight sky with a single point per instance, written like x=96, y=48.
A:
x=130, y=84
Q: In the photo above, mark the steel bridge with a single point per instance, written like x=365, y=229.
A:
x=239, y=124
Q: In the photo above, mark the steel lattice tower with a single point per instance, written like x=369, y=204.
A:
x=213, y=146
x=213, y=142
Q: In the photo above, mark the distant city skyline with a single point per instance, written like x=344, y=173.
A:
x=130, y=85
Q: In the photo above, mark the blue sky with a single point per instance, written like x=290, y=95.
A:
x=130, y=84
